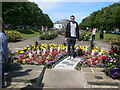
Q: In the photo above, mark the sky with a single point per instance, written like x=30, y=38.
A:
x=63, y=10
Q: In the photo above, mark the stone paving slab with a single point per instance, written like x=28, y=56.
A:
x=95, y=76
x=97, y=69
x=86, y=69
x=99, y=78
x=23, y=73
x=68, y=63
x=60, y=78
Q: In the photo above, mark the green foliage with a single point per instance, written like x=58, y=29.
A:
x=48, y=35
x=108, y=18
x=108, y=36
x=61, y=32
x=26, y=33
x=13, y=36
x=24, y=13
x=84, y=36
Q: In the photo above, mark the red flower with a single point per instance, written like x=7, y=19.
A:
x=28, y=60
x=19, y=59
x=94, y=63
x=111, y=51
x=41, y=61
x=102, y=57
x=23, y=57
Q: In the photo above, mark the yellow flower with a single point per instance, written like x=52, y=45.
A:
x=43, y=46
x=21, y=49
x=76, y=46
x=25, y=48
x=103, y=51
x=83, y=47
x=62, y=46
x=28, y=48
x=21, y=52
x=16, y=51
x=33, y=45
x=53, y=46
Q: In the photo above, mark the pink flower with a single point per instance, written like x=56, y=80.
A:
x=94, y=63
x=93, y=59
x=36, y=56
x=28, y=60
x=26, y=56
x=87, y=57
x=40, y=54
x=41, y=61
x=19, y=59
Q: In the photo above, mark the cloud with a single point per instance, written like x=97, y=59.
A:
x=45, y=6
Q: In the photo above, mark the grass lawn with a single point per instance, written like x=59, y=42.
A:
x=108, y=36
x=30, y=35
x=27, y=33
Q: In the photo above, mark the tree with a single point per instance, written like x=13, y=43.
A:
x=108, y=18
x=25, y=14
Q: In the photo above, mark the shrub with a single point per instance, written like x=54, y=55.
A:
x=116, y=42
x=85, y=36
x=13, y=36
x=48, y=35
x=61, y=32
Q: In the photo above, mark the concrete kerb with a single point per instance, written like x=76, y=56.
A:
x=40, y=78
x=103, y=83
x=39, y=71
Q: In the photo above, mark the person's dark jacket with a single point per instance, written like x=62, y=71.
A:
x=68, y=33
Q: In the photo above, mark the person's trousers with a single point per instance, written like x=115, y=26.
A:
x=3, y=72
x=71, y=42
x=93, y=37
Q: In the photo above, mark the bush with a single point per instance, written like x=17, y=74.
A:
x=85, y=36
x=48, y=35
x=61, y=32
x=13, y=36
x=116, y=42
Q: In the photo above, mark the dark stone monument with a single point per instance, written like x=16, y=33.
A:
x=101, y=35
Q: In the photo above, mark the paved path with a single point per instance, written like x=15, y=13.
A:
x=60, y=78
x=84, y=78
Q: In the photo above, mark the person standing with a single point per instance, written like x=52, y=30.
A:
x=3, y=52
x=93, y=33
x=71, y=36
